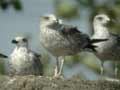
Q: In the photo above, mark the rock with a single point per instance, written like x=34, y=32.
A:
x=44, y=83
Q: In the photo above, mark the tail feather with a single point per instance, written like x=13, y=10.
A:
x=98, y=40
x=119, y=38
x=3, y=56
x=92, y=47
x=91, y=44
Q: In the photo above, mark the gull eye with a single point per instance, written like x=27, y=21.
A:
x=100, y=18
x=46, y=17
x=24, y=40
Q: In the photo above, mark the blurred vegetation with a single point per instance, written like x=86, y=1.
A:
x=5, y=4
x=1, y=66
x=45, y=59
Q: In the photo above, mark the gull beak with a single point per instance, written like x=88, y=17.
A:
x=14, y=42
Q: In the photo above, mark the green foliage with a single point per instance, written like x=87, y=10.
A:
x=1, y=67
x=86, y=3
x=66, y=9
x=72, y=60
x=4, y=4
x=17, y=4
x=45, y=59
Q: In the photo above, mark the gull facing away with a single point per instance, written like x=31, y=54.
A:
x=110, y=49
x=63, y=40
x=23, y=61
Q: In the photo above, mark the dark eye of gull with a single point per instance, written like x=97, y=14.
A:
x=100, y=18
x=24, y=40
x=46, y=17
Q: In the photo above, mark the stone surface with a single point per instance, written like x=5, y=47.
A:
x=44, y=83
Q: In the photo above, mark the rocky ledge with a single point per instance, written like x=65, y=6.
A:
x=44, y=83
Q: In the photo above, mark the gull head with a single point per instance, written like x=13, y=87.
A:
x=20, y=41
x=101, y=20
x=49, y=20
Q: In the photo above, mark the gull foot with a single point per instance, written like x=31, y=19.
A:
x=58, y=77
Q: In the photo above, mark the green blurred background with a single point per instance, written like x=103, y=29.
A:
x=21, y=17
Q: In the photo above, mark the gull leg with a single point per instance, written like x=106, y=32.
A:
x=61, y=66
x=116, y=69
x=102, y=68
x=56, y=68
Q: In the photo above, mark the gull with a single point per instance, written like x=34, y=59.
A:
x=23, y=61
x=63, y=40
x=110, y=49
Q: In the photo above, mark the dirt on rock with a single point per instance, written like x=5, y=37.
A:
x=45, y=83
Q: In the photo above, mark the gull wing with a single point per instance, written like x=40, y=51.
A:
x=117, y=37
x=37, y=63
x=75, y=36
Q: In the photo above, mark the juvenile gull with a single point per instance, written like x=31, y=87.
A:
x=110, y=49
x=23, y=61
x=63, y=40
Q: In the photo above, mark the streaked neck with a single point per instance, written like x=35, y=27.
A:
x=101, y=31
x=21, y=47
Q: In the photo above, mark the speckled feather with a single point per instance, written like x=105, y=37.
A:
x=24, y=62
